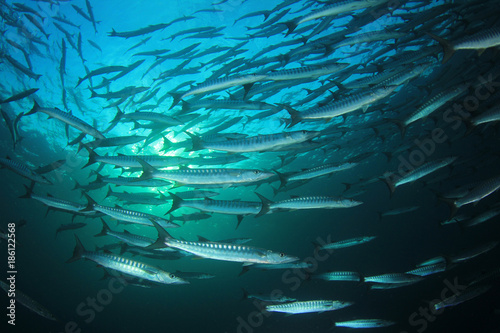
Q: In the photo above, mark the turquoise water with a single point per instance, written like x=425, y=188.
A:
x=370, y=139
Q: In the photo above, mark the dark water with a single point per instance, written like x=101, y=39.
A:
x=215, y=305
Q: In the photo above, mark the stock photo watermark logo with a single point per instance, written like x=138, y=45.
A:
x=420, y=319
x=293, y=279
x=91, y=306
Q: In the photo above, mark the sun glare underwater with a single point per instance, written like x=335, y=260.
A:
x=250, y=166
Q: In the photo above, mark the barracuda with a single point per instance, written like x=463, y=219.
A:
x=418, y=173
x=338, y=276
x=315, y=172
x=364, y=323
x=346, y=243
x=222, y=251
x=479, y=41
x=128, y=215
x=312, y=72
x=231, y=207
x=260, y=143
x=432, y=105
x=23, y=171
x=214, y=176
x=231, y=81
x=337, y=8
x=125, y=236
x=308, y=306
x=314, y=203
x=475, y=194
x=429, y=269
x=68, y=119
x=341, y=107
x=28, y=302
x=393, y=278
x=125, y=265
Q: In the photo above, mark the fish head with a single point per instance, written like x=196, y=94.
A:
x=341, y=304
x=169, y=278
x=278, y=257
x=256, y=175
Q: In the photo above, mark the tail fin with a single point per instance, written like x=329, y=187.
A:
x=400, y=124
x=196, y=142
x=176, y=97
x=29, y=191
x=448, y=50
x=245, y=293
x=266, y=203
x=118, y=116
x=90, y=203
x=77, y=252
x=105, y=229
x=176, y=203
x=294, y=114
x=283, y=179
x=390, y=185
x=92, y=156
x=162, y=236
x=93, y=93
x=34, y=109
x=451, y=203
x=147, y=169
x=291, y=25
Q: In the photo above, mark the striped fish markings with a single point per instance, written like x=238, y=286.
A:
x=248, y=255
x=125, y=265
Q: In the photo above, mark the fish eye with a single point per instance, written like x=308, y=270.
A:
x=304, y=132
x=172, y=276
x=282, y=254
x=256, y=172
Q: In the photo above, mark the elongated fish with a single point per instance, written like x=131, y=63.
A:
x=68, y=119
x=316, y=202
x=393, y=278
x=308, y=306
x=19, y=96
x=125, y=236
x=306, y=72
x=468, y=294
x=336, y=8
x=260, y=143
x=231, y=207
x=364, y=323
x=431, y=105
x=347, y=243
x=271, y=298
x=480, y=191
x=220, y=84
x=428, y=269
x=345, y=105
x=204, y=176
x=318, y=171
x=125, y=265
x=478, y=41
x=222, y=251
x=28, y=302
x=128, y=215
x=338, y=276
x=23, y=171
x=427, y=168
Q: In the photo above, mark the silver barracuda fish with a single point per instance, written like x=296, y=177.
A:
x=222, y=251
x=308, y=306
x=28, y=302
x=478, y=41
x=23, y=171
x=364, y=323
x=68, y=119
x=225, y=177
x=125, y=265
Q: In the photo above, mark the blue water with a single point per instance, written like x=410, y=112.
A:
x=215, y=305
